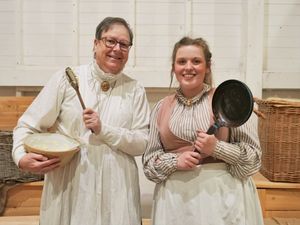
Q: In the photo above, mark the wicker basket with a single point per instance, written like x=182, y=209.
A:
x=9, y=172
x=279, y=134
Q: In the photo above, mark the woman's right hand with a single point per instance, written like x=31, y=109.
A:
x=36, y=163
x=188, y=160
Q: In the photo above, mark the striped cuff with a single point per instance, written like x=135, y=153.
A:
x=227, y=152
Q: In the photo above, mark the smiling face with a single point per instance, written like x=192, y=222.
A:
x=190, y=68
x=112, y=60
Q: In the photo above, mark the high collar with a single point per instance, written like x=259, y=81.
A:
x=102, y=76
x=191, y=101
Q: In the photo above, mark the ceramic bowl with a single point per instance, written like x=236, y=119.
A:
x=52, y=145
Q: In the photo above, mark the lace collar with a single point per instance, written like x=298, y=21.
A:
x=191, y=101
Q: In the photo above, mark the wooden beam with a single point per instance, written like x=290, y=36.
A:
x=253, y=21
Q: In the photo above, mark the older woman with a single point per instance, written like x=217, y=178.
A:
x=100, y=185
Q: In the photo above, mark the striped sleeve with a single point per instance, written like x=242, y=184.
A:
x=243, y=153
x=157, y=164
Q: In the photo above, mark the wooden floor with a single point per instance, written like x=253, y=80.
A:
x=33, y=220
x=19, y=220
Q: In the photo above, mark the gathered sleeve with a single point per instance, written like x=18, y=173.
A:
x=157, y=164
x=131, y=140
x=40, y=115
x=243, y=153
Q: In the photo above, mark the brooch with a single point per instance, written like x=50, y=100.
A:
x=105, y=86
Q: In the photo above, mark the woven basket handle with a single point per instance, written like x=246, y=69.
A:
x=256, y=111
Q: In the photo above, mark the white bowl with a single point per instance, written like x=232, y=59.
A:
x=52, y=145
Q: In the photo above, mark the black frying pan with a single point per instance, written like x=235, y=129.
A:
x=232, y=105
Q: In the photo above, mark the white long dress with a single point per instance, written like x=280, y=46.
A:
x=100, y=185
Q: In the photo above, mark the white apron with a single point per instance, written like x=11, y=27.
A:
x=208, y=195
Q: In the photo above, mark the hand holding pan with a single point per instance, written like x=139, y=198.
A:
x=232, y=105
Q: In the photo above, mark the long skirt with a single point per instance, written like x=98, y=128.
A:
x=208, y=195
x=98, y=187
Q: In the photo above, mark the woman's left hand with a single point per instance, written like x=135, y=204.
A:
x=91, y=120
x=205, y=143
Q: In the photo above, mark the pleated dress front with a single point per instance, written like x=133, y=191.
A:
x=100, y=185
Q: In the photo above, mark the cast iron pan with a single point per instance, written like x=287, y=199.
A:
x=232, y=105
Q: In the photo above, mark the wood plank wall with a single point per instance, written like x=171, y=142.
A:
x=256, y=41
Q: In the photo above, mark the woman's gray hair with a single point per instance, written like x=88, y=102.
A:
x=108, y=22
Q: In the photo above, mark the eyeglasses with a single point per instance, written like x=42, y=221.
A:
x=111, y=43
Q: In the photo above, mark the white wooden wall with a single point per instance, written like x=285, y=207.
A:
x=255, y=41
x=281, y=63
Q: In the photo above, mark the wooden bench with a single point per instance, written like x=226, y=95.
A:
x=22, y=199
x=278, y=199
x=11, y=108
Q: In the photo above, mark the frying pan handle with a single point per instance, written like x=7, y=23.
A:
x=213, y=129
